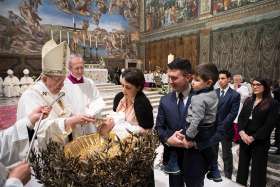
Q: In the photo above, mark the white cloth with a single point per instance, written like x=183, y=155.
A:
x=84, y=98
x=11, y=86
x=8, y=182
x=150, y=77
x=13, y=182
x=249, y=86
x=164, y=78
x=244, y=93
x=1, y=86
x=51, y=127
x=122, y=127
x=25, y=82
x=14, y=142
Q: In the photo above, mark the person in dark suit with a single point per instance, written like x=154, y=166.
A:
x=228, y=107
x=171, y=119
x=256, y=121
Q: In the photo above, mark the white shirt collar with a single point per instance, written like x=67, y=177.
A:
x=185, y=92
x=225, y=90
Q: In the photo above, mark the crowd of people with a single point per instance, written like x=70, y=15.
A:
x=203, y=110
x=12, y=86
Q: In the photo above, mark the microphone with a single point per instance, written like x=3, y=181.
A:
x=60, y=95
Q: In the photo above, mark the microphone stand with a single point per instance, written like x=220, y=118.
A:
x=37, y=127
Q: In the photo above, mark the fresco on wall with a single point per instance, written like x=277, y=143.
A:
x=222, y=5
x=91, y=27
x=160, y=13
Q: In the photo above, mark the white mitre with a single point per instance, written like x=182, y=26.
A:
x=170, y=58
x=54, y=58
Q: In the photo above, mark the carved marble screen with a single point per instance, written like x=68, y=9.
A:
x=251, y=49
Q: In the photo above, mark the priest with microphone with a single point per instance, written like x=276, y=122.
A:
x=61, y=122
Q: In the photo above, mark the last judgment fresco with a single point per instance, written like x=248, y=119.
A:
x=93, y=27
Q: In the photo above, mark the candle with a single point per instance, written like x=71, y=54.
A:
x=52, y=34
x=90, y=40
x=84, y=39
x=59, y=36
x=68, y=39
x=170, y=58
x=96, y=42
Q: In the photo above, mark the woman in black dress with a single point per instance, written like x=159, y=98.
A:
x=256, y=121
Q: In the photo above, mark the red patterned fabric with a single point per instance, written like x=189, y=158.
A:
x=236, y=136
x=7, y=116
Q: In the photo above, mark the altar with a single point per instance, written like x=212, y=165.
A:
x=98, y=75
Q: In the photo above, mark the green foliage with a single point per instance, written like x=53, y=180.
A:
x=132, y=166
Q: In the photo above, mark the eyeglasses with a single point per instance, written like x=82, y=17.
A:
x=257, y=84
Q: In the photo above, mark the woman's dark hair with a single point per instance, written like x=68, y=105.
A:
x=266, y=92
x=135, y=77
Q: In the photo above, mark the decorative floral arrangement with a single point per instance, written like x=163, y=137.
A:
x=131, y=163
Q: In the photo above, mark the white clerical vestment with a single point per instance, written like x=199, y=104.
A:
x=51, y=127
x=11, y=86
x=84, y=98
x=1, y=86
x=25, y=82
x=244, y=93
x=14, y=142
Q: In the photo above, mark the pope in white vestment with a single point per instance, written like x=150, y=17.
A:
x=82, y=95
x=61, y=122
x=25, y=81
x=11, y=85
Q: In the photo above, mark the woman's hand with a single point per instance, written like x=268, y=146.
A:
x=245, y=138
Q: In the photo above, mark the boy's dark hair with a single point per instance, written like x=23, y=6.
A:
x=181, y=64
x=207, y=71
x=135, y=77
x=226, y=72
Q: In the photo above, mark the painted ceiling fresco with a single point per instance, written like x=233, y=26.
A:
x=93, y=27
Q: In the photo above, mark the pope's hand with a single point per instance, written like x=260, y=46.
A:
x=74, y=120
x=21, y=172
x=36, y=113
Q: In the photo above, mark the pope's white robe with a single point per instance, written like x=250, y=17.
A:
x=11, y=86
x=1, y=86
x=84, y=98
x=53, y=126
x=25, y=82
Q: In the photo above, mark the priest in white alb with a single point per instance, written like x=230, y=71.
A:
x=82, y=94
x=11, y=85
x=60, y=123
x=25, y=81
